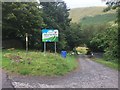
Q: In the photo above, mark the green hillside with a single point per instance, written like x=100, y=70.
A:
x=98, y=19
x=78, y=13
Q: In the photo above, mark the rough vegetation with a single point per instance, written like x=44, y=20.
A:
x=35, y=63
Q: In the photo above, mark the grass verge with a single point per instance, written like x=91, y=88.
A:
x=112, y=65
x=35, y=63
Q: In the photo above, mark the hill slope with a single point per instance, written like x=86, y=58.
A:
x=78, y=13
x=98, y=19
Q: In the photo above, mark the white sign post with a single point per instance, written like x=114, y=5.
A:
x=26, y=42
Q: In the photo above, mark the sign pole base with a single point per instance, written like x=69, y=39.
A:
x=44, y=48
x=55, y=50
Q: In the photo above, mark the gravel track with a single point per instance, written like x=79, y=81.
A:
x=5, y=81
x=89, y=75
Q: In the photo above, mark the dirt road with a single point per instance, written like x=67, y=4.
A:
x=89, y=75
x=5, y=82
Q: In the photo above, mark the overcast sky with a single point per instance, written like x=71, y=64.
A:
x=84, y=3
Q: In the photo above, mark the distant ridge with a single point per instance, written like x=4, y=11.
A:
x=78, y=13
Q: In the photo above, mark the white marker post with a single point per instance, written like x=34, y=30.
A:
x=26, y=43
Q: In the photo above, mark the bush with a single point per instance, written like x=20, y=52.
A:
x=108, y=40
x=82, y=50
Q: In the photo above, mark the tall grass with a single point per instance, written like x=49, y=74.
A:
x=113, y=65
x=35, y=63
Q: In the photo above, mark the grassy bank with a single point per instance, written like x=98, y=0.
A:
x=112, y=65
x=35, y=63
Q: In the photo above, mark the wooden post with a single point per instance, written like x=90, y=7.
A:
x=55, y=50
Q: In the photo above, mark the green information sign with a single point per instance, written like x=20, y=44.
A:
x=49, y=35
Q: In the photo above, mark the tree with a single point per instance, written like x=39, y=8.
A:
x=74, y=36
x=112, y=4
x=108, y=39
x=56, y=16
x=116, y=5
x=20, y=18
